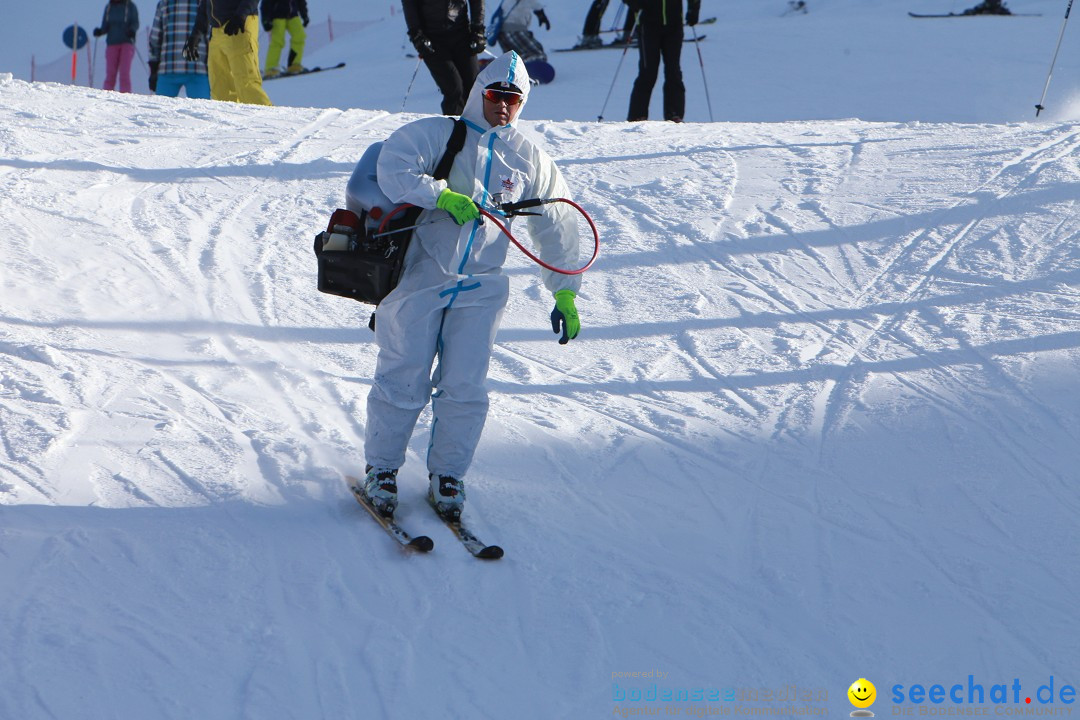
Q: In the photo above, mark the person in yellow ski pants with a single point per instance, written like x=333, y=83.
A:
x=279, y=17
x=233, y=54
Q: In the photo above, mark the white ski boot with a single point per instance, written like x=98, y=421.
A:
x=380, y=489
x=447, y=495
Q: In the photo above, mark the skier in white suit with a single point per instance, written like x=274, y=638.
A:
x=450, y=299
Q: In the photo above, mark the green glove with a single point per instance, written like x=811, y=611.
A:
x=565, y=315
x=461, y=207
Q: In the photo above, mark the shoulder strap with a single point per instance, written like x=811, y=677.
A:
x=453, y=147
x=512, y=8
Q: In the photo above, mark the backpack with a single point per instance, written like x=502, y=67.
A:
x=361, y=254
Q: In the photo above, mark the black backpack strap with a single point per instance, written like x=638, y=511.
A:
x=442, y=171
x=453, y=147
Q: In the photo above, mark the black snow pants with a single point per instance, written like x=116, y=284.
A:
x=596, y=14
x=659, y=42
x=453, y=67
x=592, y=18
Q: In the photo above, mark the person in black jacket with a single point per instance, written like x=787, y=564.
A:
x=448, y=35
x=660, y=27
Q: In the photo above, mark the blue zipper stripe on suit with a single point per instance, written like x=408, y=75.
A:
x=490, y=163
x=453, y=292
x=483, y=201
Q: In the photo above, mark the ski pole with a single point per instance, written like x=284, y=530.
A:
x=705, y=80
x=138, y=53
x=409, y=90
x=618, y=67
x=90, y=65
x=617, y=22
x=1039, y=107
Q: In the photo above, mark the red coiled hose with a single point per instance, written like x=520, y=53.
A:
x=527, y=203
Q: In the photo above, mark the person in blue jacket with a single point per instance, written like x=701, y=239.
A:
x=119, y=23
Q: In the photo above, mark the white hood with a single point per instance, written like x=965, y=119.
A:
x=507, y=68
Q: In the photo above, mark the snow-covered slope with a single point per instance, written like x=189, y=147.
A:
x=861, y=59
x=821, y=424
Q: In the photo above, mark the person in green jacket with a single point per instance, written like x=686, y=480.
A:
x=279, y=17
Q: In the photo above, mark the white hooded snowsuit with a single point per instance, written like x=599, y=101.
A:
x=452, y=292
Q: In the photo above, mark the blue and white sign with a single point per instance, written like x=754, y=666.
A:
x=70, y=37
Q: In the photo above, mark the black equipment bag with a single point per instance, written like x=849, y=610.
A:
x=355, y=264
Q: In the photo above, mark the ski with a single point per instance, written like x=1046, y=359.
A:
x=706, y=21
x=420, y=543
x=618, y=46
x=472, y=543
x=305, y=71
x=952, y=15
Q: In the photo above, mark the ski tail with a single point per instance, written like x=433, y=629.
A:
x=472, y=543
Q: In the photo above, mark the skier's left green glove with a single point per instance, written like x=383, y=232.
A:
x=461, y=207
x=564, y=317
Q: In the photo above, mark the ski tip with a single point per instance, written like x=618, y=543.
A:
x=422, y=544
x=491, y=552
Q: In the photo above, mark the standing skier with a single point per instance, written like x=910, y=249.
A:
x=452, y=292
x=279, y=16
x=233, y=54
x=590, y=33
x=515, y=34
x=660, y=28
x=169, y=71
x=448, y=35
x=118, y=23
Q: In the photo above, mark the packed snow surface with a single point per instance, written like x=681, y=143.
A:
x=821, y=423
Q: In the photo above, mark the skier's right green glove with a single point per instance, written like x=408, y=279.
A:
x=461, y=207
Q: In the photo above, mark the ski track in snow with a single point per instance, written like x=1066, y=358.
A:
x=807, y=348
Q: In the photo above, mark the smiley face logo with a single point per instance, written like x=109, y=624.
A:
x=862, y=693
